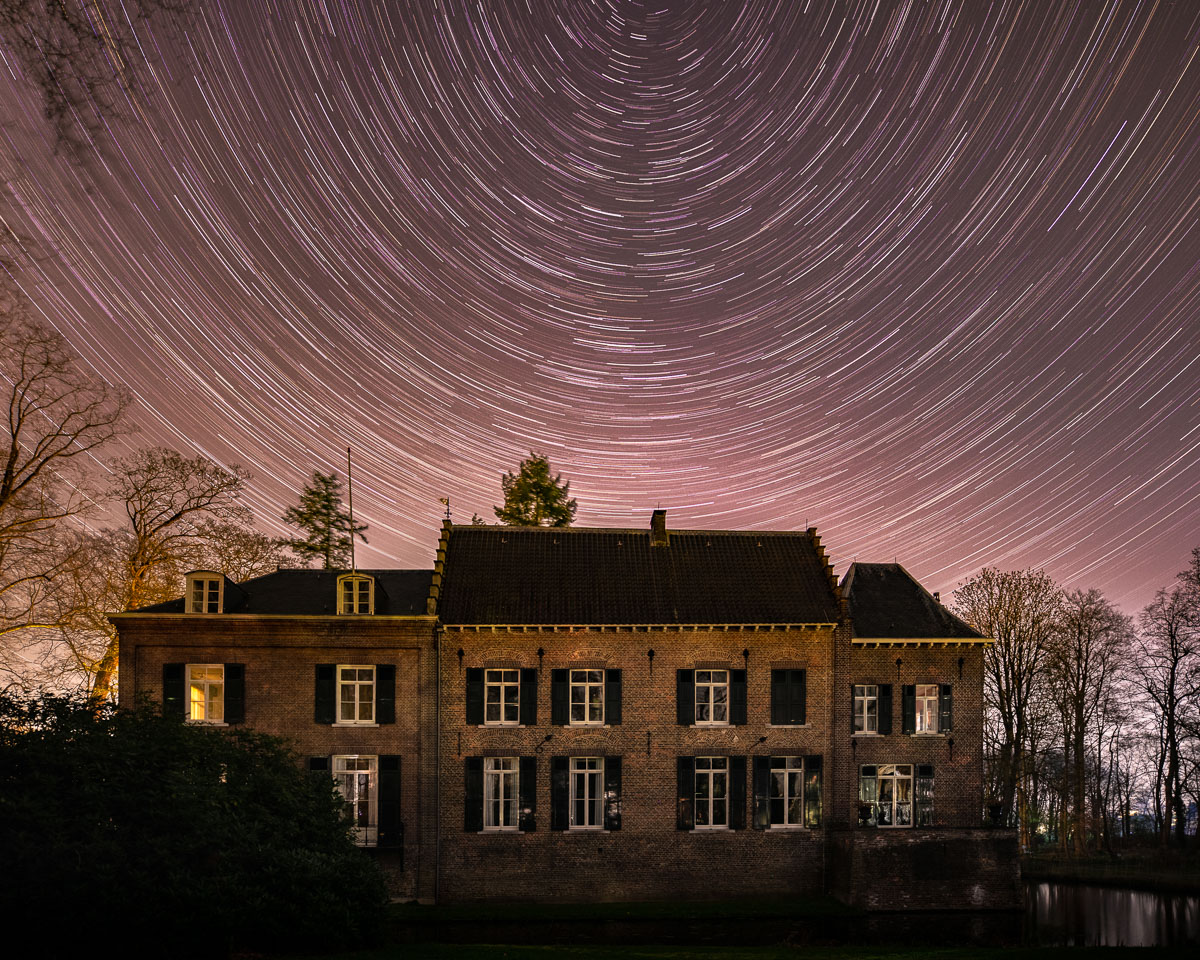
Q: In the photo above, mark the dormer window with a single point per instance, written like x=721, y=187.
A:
x=356, y=594
x=204, y=592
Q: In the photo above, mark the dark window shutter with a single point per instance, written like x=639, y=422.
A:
x=385, y=693
x=685, y=699
x=527, y=788
x=885, y=708
x=318, y=764
x=473, y=794
x=737, y=793
x=779, y=697
x=737, y=705
x=560, y=792
x=762, y=792
x=685, y=774
x=529, y=697
x=474, y=696
x=812, y=791
x=612, y=793
x=908, y=708
x=173, y=690
x=612, y=698
x=852, y=705
x=560, y=698
x=235, y=693
x=391, y=828
x=325, y=694
x=800, y=697
x=945, y=709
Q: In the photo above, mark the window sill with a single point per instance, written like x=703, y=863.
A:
x=713, y=829
x=500, y=726
x=206, y=723
x=928, y=735
x=587, y=726
x=712, y=726
x=868, y=733
x=500, y=830
x=585, y=830
x=789, y=726
x=788, y=827
x=353, y=723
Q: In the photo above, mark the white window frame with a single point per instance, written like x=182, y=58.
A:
x=502, y=680
x=866, y=719
x=896, y=779
x=711, y=771
x=792, y=770
x=355, y=774
x=363, y=712
x=205, y=592
x=587, y=793
x=593, y=713
x=501, y=793
x=712, y=705
x=201, y=709
x=928, y=705
x=357, y=604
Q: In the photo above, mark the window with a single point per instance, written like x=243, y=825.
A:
x=500, y=783
x=872, y=708
x=788, y=697
x=885, y=794
x=502, y=697
x=587, y=795
x=712, y=792
x=787, y=792
x=356, y=694
x=587, y=697
x=866, y=709
x=356, y=781
x=926, y=708
x=204, y=592
x=712, y=697
x=356, y=594
x=206, y=692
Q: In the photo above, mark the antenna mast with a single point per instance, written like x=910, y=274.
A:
x=350, y=497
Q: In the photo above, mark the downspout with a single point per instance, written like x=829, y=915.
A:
x=437, y=764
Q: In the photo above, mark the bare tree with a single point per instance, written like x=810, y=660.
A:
x=1167, y=670
x=58, y=417
x=168, y=499
x=81, y=58
x=1082, y=666
x=1019, y=610
x=236, y=550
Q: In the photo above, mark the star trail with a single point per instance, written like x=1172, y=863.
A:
x=925, y=275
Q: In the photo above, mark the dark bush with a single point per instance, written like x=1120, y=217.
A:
x=124, y=829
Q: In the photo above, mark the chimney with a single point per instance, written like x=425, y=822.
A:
x=658, y=529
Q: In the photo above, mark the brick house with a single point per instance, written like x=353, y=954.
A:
x=570, y=714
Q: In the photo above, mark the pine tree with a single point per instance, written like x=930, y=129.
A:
x=325, y=525
x=533, y=498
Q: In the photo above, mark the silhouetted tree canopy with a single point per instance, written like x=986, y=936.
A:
x=534, y=498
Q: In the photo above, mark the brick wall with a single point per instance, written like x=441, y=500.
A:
x=648, y=858
x=280, y=655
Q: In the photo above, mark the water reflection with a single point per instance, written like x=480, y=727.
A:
x=1074, y=914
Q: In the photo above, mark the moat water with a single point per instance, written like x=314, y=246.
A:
x=1080, y=914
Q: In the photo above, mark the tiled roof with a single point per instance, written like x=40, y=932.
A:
x=886, y=603
x=314, y=593
x=577, y=575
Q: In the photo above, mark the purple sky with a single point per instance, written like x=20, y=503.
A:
x=924, y=275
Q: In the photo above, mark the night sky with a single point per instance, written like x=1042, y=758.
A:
x=924, y=275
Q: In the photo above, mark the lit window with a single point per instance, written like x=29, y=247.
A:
x=886, y=794
x=356, y=694
x=712, y=796
x=866, y=708
x=927, y=708
x=356, y=779
x=712, y=697
x=204, y=593
x=587, y=697
x=356, y=594
x=502, y=697
x=206, y=692
x=500, y=783
x=587, y=793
